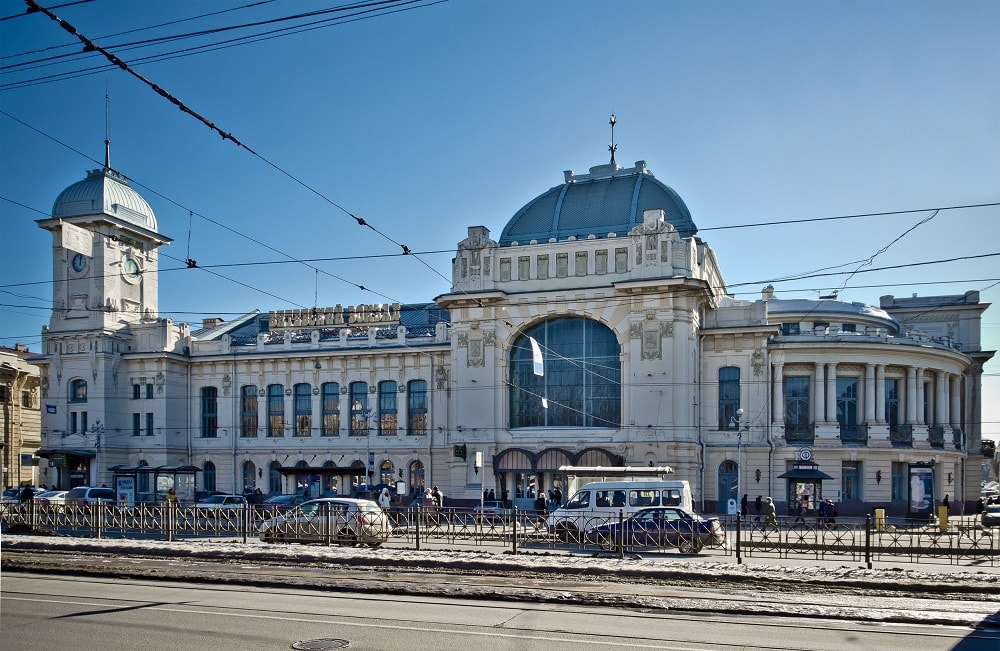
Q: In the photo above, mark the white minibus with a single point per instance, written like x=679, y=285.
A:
x=600, y=502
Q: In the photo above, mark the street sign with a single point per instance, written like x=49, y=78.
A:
x=371, y=459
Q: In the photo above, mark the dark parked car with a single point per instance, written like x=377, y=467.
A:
x=281, y=503
x=661, y=527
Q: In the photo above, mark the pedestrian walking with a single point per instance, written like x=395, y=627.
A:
x=980, y=506
x=744, y=503
x=384, y=499
x=770, y=516
x=26, y=495
x=540, y=510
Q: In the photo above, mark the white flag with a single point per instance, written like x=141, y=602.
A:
x=77, y=239
x=536, y=357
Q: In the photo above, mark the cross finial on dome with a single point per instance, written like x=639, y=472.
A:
x=613, y=147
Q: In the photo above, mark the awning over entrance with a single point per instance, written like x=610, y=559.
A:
x=316, y=470
x=805, y=470
x=123, y=469
x=45, y=453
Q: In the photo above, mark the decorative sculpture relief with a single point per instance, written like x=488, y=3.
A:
x=667, y=329
x=442, y=377
x=757, y=362
x=651, y=344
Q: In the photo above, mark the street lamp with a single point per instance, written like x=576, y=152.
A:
x=739, y=449
x=365, y=413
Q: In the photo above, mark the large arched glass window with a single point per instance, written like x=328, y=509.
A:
x=581, y=381
x=208, y=476
x=303, y=410
x=275, y=410
x=388, y=416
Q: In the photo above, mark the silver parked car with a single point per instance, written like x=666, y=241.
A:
x=342, y=520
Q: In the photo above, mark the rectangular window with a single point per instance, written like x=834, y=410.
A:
x=149, y=391
x=26, y=399
x=136, y=423
x=416, y=408
x=847, y=402
x=331, y=409
x=581, y=263
x=892, y=404
x=83, y=421
x=359, y=409
x=523, y=268
x=848, y=327
x=73, y=422
x=504, y=268
x=797, y=402
x=149, y=423
x=136, y=391
x=621, y=261
x=303, y=409
x=388, y=415
x=248, y=410
x=729, y=396
x=543, y=267
x=562, y=265
x=209, y=412
x=928, y=388
x=789, y=328
x=276, y=410
x=850, y=481
x=601, y=262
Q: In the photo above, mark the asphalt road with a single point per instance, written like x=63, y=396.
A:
x=102, y=614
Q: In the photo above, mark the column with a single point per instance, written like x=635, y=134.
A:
x=870, y=413
x=819, y=410
x=920, y=397
x=778, y=396
x=911, y=396
x=941, y=404
x=956, y=401
x=880, y=394
x=831, y=393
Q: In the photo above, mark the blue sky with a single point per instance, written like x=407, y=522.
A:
x=443, y=116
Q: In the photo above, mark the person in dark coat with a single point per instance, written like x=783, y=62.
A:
x=540, y=509
x=744, y=504
x=759, y=504
x=980, y=506
x=26, y=495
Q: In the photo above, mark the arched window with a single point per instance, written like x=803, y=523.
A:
x=729, y=396
x=274, y=477
x=331, y=409
x=208, y=476
x=248, y=410
x=581, y=381
x=416, y=478
x=249, y=475
x=78, y=391
x=359, y=409
x=416, y=408
x=276, y=410
x=303, y=409
x=388, y=416
x=387, y=473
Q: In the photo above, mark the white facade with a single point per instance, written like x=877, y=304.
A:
x=664, y=369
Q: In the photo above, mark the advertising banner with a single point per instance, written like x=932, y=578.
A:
x=125, y=490
x=921, y=502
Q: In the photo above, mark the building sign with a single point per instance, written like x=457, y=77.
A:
x=329, y=317
x=57, y=460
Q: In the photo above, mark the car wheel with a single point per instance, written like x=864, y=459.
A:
x=566, y=532
x=689, y=547
x=347, y=538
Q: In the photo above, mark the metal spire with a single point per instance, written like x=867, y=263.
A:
x=613, y=148
x=107, y=128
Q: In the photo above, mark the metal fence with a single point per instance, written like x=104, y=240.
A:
x=962, y=540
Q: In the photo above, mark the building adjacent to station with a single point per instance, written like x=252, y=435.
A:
x=595, y=330
x=20, y=421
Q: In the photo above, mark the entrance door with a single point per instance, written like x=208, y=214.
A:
x=729, y=473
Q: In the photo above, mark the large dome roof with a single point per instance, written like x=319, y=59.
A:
x=104, y=192
x=609, y=199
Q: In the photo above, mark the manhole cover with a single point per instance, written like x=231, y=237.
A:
x=321, y=645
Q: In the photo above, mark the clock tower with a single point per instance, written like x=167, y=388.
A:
x=110, y=281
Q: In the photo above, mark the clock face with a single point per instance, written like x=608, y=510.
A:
x=130, y=268
x=79, y=262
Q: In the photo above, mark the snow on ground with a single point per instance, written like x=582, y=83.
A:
x=540, y=560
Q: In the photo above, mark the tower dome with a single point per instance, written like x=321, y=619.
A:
x=609, y=199
x=104, y=192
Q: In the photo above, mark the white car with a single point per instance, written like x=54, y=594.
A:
x=343, y=520
x=55, y=499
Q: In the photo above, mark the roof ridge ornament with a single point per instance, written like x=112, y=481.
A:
x=613, y=147
x=107, y=128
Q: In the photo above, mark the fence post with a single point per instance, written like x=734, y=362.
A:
x=739, y=531
x=324, y=513
x=416, y=513
x=868, y=541
x=621, y=533
x=246, y=520
x=514, y=535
